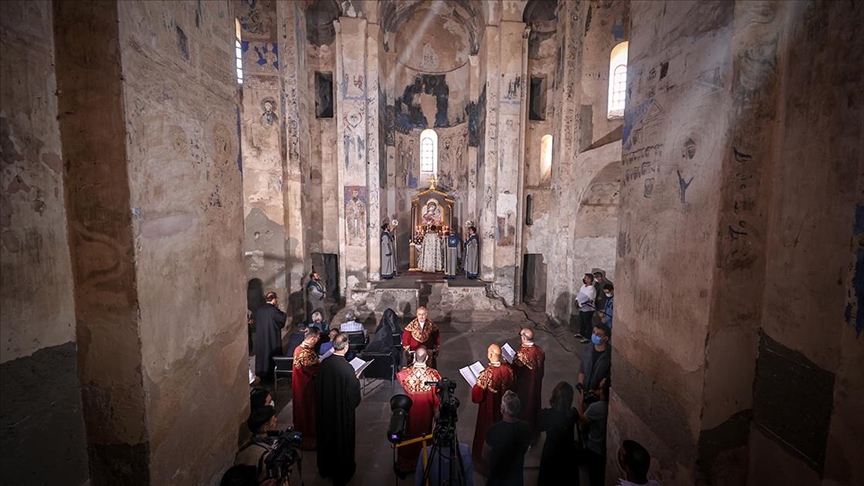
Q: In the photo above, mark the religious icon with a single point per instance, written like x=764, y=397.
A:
x=432, y=213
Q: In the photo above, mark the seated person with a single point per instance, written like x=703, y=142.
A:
x=351, y=325
x=328, y=345
x=318, y=321
x=382, y=340
x=253, y=452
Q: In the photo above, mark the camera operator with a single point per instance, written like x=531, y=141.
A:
x=440, y=461
x=596, y=362
x=254, y=451
x=425, y=400
x=594, y=420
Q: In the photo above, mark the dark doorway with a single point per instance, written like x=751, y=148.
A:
x=534, y=281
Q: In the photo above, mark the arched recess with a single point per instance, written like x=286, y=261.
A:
x=319, y=22
x=596, y=224
x=545, y=158
x=469, y=12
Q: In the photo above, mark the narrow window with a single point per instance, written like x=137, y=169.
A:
x=429, y=153
x=529, y=210
x=238, y=52
x=617, y=81
x=323, y=95
x=545, y=157
x=537, y=102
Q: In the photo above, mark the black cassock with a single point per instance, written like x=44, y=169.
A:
x=338, y=395
x=269, y=321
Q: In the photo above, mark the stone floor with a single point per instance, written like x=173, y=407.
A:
x=464, y=339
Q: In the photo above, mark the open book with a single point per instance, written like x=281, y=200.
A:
x=360, y=365
x=471, y=372
x=325, y=355
x=508, y=352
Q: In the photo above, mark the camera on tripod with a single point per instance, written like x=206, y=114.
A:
x=283, y=455
x=448, y=404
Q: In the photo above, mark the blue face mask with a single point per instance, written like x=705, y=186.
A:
x=596, y=339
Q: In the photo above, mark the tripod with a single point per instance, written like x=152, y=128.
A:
x=445, y=437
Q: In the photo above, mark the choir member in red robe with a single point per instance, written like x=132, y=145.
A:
x=421, y=332
x=425, y=402
x=528, y=365
x=303, y=378
x=491, y=384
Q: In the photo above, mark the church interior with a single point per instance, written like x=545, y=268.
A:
x=165, y=164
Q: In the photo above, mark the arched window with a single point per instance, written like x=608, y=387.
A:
x=617, y=80
x=545, y=157
x=238, y=52
x=429, y=153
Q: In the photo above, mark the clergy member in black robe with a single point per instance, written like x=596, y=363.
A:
x=338, y=393
x=269, y=321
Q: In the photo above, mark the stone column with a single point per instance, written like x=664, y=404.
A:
x=563, y=278
x=487, y=229
x=149, y=124
x=296, y=97
x=39, y=392
x=509, y=162
x=358, y=170
x=263, y=115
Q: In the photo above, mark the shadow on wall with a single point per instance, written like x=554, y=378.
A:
x=561, y=308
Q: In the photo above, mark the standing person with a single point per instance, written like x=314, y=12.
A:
x=303, y=387
x=585, y=300
x=635, y=461
x=269, y=321
x=596, y=362
x=425, y=401
x=421, y=332
x=452, y=254
x=338, y=395
x=507, y=441
x=492, y=383
x=472, y=254
x=594, y=419
x=559, y=423
x=388, y=252
x=316, y=293
x=529, y=364
x=608, y=307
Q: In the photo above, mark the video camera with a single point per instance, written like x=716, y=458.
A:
x=283, y=455
x=445, y=426
x=588, y=396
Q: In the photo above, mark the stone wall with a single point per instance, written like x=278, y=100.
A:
x=155, y=211
x=737, y=171
x=43, y=438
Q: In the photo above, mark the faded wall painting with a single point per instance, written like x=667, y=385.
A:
x=355, y=215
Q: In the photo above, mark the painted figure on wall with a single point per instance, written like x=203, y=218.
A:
x=355, y=215
x=388, y=252
x=268, y=116
x=472, y=254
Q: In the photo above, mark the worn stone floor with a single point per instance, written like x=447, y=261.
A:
x=464, y=339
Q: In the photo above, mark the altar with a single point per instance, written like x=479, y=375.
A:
x=432, y=218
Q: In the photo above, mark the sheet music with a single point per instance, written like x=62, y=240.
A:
x=508, y=353
x=325, y=355
x=360, y=365
x=471, y=372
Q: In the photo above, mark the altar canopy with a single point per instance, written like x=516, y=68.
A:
x=432, y=218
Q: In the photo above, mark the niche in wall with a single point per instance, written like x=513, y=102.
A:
x=537, y=102
x=323, y=95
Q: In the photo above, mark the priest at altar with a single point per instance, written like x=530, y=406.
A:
x=431, y=251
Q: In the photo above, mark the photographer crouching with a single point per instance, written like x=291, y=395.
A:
x=270, y=451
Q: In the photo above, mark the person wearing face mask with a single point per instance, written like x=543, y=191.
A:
x=421, y=332
x=634, y=460
x=596, y=363
x=606, y=315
